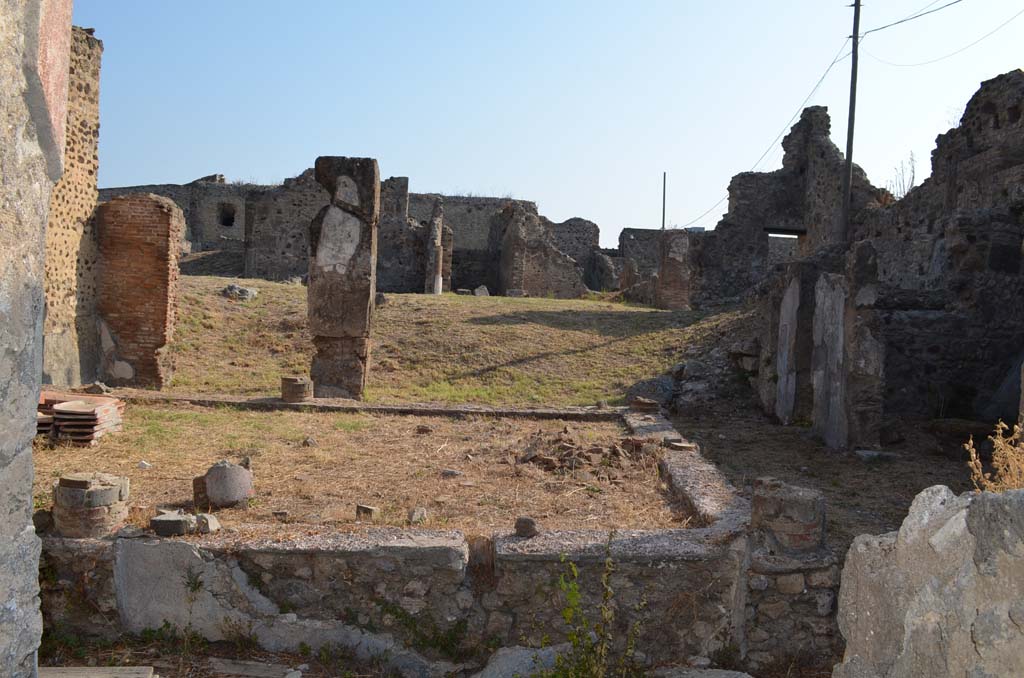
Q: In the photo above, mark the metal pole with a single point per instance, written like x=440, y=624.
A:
x=848, y=178
x=664, y=183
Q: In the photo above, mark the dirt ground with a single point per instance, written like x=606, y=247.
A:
x=861, y=498
x=318, y=466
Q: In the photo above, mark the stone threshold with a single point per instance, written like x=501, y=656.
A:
x=583, y=414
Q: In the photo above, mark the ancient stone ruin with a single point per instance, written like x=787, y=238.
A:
x=915, y=315
x=343, y=275
x=911, y=311
x=266, y=236
x=940, y=597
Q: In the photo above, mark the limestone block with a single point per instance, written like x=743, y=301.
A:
x=793, y=518
x=942, y=595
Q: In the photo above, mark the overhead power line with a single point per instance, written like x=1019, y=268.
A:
x=951, y=54
x=912, y=17
x=838, y=57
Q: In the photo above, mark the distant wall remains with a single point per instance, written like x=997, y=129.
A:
x=70, y=339
x=277, y=227
x=214, y=210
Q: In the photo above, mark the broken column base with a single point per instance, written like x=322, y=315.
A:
x=339, y=367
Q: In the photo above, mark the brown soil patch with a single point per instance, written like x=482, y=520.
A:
x=394, y=463
x=861, y=498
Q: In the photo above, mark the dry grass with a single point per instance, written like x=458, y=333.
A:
x=1007, y=461
x=490, y=350
x=394, y=463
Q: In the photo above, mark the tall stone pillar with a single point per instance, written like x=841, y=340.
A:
x=343, y=275
x=434, y=282
x=34, y=55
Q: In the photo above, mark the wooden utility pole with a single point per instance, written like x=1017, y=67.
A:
x=848, y=177
x=664, y=183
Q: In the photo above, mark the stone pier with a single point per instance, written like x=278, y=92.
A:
x=434, y=280
x=342, y=275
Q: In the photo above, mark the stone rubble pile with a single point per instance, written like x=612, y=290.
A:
x=566, y=454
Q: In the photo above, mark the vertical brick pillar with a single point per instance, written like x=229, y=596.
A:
x=139, y=238
x=343, y=275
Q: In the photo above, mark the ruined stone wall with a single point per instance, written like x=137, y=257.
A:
x=277, y=227
x=531, y=262
x=401, y=241
x=35, y=37
x=70, y=339
x=476, y=233
x=781, y=250
x=137, y=299
x=642, y=245
x=214, y=210
x=920, y=315
x=803, y=199
x=576, y=237
x=672, y=286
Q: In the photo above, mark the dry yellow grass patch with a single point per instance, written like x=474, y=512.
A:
x=394, y=463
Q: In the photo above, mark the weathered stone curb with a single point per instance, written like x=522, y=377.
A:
x=692, y=479
x=589, y=414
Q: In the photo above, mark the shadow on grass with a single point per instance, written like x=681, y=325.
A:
x=622, y=324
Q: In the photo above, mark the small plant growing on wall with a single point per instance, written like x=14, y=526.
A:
x=1007, y=461
x=591, y=643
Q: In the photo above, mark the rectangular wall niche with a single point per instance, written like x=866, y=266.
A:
x=226, y=214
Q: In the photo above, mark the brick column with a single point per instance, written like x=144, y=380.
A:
x=342, y=275
x=139, y=238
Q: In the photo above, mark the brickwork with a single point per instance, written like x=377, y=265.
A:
x=70, y=339
x=214, y=209
x=138, y=242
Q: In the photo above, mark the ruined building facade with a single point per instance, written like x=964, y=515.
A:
x=111, y=267
x=917, y=314
x=261, y=232
x=802, y=199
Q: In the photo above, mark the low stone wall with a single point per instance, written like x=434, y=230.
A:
x=442, y=595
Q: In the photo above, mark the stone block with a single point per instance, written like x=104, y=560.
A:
x=790, y=517
x=370, y=513
x=790, y=584
x=173, y=524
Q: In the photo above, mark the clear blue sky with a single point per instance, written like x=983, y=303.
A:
x=578, y=106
